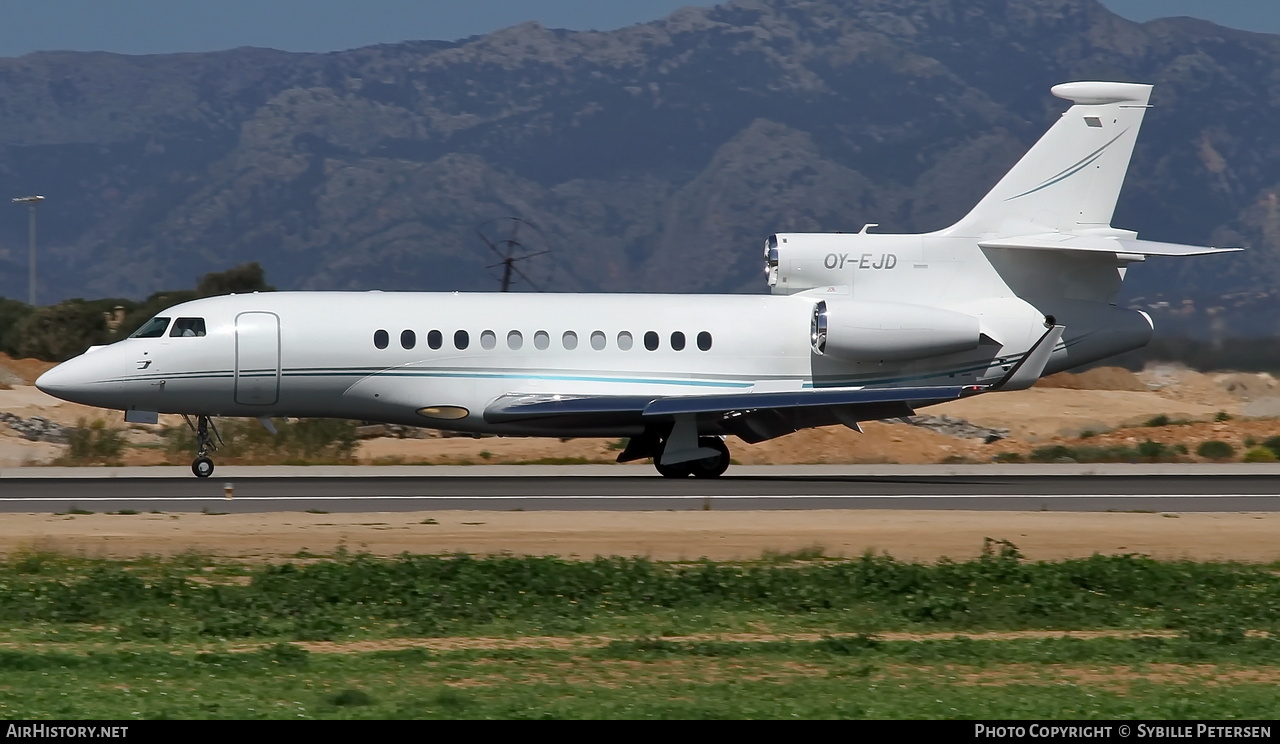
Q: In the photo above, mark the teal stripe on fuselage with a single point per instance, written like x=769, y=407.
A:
x=362, y=372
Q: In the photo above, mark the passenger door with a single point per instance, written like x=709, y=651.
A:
x=257, y=358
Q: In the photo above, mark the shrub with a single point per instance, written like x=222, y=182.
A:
x=94, y=442
x=1150, y=450
x=302, y=440
x=1259, y=454
x=1215, y=449
x=1222, y=416
x=1161, y=420
x=1273, y=444
x=1052, y=453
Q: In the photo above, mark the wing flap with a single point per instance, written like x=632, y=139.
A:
x=820, y=397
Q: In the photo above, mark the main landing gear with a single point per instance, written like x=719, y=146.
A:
x=206, y=435
x=707, y=467
x=679, y=452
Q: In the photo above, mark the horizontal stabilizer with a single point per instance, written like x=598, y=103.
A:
x=1100, y=244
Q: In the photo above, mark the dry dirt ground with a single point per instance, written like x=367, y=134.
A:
x=670, y=536
x=1109, y=405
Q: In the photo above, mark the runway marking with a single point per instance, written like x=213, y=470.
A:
x=628, y=497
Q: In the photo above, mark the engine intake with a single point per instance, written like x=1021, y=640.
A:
x=889, y=331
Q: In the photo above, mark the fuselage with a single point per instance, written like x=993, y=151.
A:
x=439, y=359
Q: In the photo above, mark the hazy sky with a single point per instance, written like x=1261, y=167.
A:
x=156, y=26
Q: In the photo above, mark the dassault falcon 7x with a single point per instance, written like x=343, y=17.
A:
x=857, y=327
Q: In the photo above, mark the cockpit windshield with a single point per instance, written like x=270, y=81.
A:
x=153, y=328
x=188, y=327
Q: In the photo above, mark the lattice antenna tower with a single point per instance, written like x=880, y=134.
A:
x=503, y=236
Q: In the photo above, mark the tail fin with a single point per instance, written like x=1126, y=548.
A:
x=1070, y=179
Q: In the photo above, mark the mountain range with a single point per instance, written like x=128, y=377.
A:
x=654, y=158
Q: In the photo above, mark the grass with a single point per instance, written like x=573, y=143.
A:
x=858, y=677
x=360, y=596
x=796, y=634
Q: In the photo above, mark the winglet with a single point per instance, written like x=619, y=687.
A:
x=1028, y=369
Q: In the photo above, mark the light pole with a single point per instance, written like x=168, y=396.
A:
x=31, y=202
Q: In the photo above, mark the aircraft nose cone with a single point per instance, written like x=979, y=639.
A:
x=48, y=382
x=66, y=381
x=53, y=382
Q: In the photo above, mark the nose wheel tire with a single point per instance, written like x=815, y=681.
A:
x=202, y=467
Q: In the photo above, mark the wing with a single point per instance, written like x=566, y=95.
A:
x=756, y=417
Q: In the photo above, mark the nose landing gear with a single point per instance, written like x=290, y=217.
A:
x=206, y=435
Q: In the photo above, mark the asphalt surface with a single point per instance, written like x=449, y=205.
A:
x=632, y=489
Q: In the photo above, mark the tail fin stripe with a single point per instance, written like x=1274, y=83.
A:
x=1071, y=170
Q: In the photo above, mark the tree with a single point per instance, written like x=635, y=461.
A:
x=241, y=279
x=58, y=332
x=11, y=314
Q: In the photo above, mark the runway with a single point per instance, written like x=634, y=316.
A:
x=529, y=488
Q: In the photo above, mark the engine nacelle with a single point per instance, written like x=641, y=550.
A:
x=889, y=331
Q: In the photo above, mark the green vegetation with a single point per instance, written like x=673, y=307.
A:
x=94, y=443
x=1215, y=450
x=194, y=637
x=1147, y=451
x=1259, y=454
x=58, y=332
x=1164, y=420
x=836, y=677
x=306, y=441
x=423, y=596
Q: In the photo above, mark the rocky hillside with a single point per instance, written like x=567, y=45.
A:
x=653, y=158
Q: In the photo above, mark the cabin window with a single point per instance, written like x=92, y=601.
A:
x=488, y=340
x=704, y=341
x=381, y=339
x=651, y=340
x=597, y=340
x=435, y=339
x=514, y=340
x=187, y=327
x=570, y=340
x=461, y=340
x=154, y=328
x=677, y=341
x=408, y=339
x=625, y=340
x=541, y=340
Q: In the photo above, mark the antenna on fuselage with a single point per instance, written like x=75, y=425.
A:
x=510, y=249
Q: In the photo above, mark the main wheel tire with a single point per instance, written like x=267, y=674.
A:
x=679, y=470
x=202, y=467
x=711, y=467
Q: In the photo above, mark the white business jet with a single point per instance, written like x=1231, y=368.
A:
x=857, y=327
